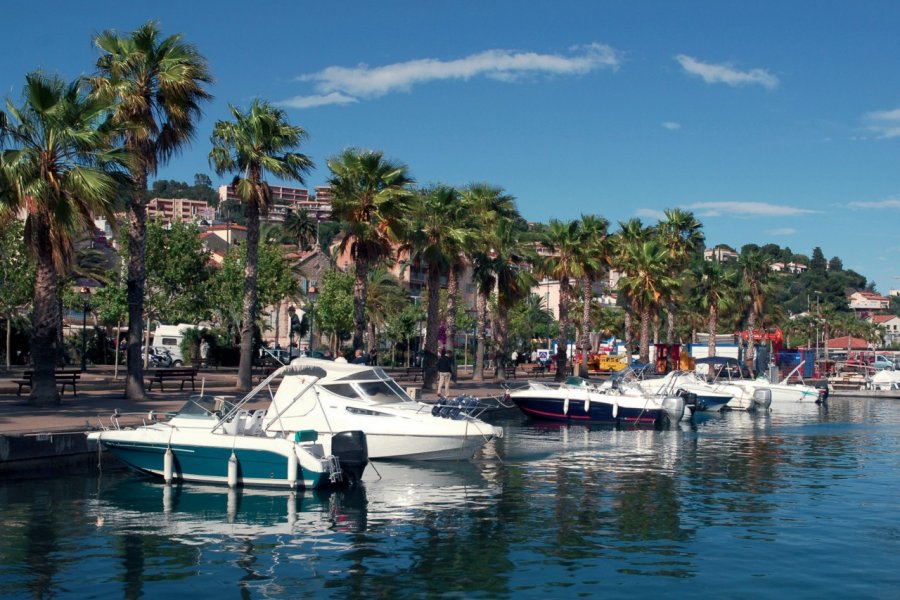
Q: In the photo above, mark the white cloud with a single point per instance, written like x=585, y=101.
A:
x=313, y=101
x=503, y=65
x=726, y=73
x=671, y=125
x=782, y=231
x=745, y=209
x=650, y=213
x=878, y=204
x=884, y=123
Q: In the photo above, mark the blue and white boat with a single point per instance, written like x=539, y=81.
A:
x=211, y=440
x=698, y=394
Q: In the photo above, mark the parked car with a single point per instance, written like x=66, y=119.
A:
x=883, y=362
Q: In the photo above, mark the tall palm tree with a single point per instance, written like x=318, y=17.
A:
x=756, y=275
x=682, y=234
x=436, y=238
x=564, y=263
x=630, y=232
x=646, y=281
x=158, y=86
x=385, y=297
x=596, y=252
x=58, y=164
x=302, y=228
x=253, y=144
x=514, y=283
x=713, y=291
x=369, y=197
x=489, y=206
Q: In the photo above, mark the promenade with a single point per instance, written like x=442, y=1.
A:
x=100, y=395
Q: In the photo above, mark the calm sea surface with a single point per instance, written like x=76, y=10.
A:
x=799, y=505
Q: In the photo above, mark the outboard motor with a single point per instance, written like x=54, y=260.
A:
x=822, y=388
x=674, y=408
x=762, y=400
x=352, y=452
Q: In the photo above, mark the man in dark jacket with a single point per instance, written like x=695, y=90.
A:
x=445, y=369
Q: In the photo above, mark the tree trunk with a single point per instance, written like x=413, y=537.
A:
x=563, y=337
x=481, y=318
x=248, y=316
x=670, y=323
x=45, y=319
x=432, y=323
x=360, y=291
x=452, y=303
x=587, y=295
x=500, y=342
x=713, y=327
x=644, y=353
x=136, y=279
x=751, y=325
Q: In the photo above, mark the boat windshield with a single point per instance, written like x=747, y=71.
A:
x=204, y=406
x=383, y=392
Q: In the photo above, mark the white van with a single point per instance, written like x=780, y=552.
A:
x=169, y=338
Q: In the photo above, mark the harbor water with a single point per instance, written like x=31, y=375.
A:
x=798, y=504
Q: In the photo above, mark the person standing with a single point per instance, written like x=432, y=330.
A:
x=445, y=369
x=358, y=358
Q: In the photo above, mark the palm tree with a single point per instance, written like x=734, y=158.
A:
x=158, y=86
x=713, y=291
x=682, y=234
x=369, y=196
x=514, y=283
x=596, y=250
x=564, y=263
x=630, y=232
x=756, y=274
x=302, y=228
x=253, y=144
x=646, y=281
x=489, y=206
x=435, y=238
x=385, y=297
x=57, y=163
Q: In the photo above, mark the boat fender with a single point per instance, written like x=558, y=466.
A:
x=615, y=412
x=168, y=465
x=587, y=405
x=566, y=404
x=232, y=470
x=292, y=469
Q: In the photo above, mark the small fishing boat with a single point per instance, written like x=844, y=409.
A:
x=581, y=400
x=211, y=440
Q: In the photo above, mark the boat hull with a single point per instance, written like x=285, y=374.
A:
x=549, y=408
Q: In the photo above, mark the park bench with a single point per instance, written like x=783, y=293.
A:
x=509, y=371
x=64, y=378
x=160, y=376
x=407, y=374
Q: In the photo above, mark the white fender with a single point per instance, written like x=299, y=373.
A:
x=587, y=404
x=231, y=505
x=232, y=470
x=616, y=409
x=566, y=405
x=168, y=465
x=292, y=469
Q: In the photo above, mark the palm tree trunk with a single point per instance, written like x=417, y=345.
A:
x=670, y=323
x=713, y=327
x=360, y=291
x=44, y=335
x=751, y=325
x=481, y=318
x=644, y=353
x=452, y=302
x=628, y=337
x=500, y=338
x=248, y=316
x=432, y=323
x=137, y=236
x=586, y=325
x=563, y=337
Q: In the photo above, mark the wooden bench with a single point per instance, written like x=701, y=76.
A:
x=510, y=371
x=160, y=376
x=63, y=377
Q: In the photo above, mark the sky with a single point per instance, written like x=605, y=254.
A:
x=773, y=122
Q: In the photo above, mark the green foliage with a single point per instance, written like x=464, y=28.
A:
x=177, y=272
x=334, y=308
x=16, y=271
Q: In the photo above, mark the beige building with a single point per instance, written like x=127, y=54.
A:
x=170, y=210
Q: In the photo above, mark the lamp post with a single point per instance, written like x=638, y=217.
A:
x=85, y=297
x=292, y=318
x=311, y=294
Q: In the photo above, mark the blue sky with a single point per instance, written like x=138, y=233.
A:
x=773, y=121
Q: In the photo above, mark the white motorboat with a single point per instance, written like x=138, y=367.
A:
x=326, y=396
x=727, y=375
x=579, y=400
x=699, y=395
x=211, y=440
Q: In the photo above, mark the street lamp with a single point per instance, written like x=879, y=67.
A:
x=311, y=294
x=85, y=297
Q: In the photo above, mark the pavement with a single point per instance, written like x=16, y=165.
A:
x=101, y=394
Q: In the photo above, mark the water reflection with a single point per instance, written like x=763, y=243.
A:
x=546, y=511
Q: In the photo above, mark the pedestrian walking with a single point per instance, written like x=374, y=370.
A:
x=445, y=369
